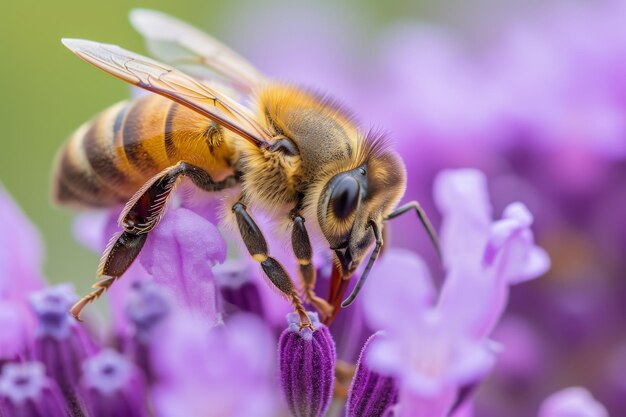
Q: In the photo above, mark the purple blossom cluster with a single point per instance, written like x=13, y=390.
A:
x=184, y=341
x=533, y=95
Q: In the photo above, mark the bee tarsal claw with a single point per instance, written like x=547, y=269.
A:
x=306, y=325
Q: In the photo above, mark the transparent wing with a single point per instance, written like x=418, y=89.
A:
x=182, y=45
x=173, y=84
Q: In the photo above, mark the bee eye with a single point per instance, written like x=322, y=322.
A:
x=344, y=197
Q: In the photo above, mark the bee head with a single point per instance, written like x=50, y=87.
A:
x=356, y=200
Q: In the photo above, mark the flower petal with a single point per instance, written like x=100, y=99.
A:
x=400, y=279
x=572, y=402
x=21, y=252
x=180, y=253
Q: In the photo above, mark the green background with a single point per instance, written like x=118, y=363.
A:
x=47, y=92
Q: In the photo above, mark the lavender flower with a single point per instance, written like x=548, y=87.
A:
x=371, y=394
x=488, y=256
x=25, y=390
x=112, y=386
x=438, y=352
x=60, y=342
x=307, y=362
x=572, y=402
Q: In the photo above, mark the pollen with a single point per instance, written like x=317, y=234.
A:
x=259, y=257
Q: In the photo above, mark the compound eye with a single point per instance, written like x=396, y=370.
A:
x=345, y=197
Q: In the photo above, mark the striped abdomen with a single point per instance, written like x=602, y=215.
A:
x=109, y=158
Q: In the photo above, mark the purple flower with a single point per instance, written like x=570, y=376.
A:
x=228, y=369
x=572, y=402
x=25, y=390
x=112, y=386
x=437, y=351
x=371, y=394
x=60, y=342
x=482, y=257
x=307, y=365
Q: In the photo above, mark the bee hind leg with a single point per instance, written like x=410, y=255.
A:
x=301, y=245
x=140, y=215
x=257, y=246
x=117, y=258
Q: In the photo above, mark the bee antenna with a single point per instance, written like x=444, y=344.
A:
x=421, y=214
x=370, y=263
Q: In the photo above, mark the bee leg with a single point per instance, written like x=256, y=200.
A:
x=302, y=249
x=257, y=246
x=140, y=215
x=117, y=258
x=421, y=214
x=147, y=206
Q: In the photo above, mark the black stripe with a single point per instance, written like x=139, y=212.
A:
x=101, y=156
x=168, y=139
x=83, y=185
x=137, y=155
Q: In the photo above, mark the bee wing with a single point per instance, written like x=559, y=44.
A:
x=182, y=45
x=173, y=84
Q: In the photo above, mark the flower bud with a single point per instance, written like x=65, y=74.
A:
x=112, y=386
x=61, y=343
x=307, y=364
x=25, y=390
x=371, y=394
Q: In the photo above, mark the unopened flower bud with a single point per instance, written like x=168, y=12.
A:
x=61, y=343
x=371, y=394
x=307, y=364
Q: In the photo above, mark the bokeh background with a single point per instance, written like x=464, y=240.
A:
x=533, y=93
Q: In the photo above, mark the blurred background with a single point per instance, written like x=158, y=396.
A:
x=533, y=93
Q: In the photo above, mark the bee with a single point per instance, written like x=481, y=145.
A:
x=295, y=153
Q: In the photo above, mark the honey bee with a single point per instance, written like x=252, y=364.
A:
x=294, y=153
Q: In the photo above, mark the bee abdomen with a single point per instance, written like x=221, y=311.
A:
x=99, y=146
x=92, y=168
x=108, y=159
x=75, y=181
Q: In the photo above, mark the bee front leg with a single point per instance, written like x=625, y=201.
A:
x=257, y=246
x=140, y=215
x=302, y=249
